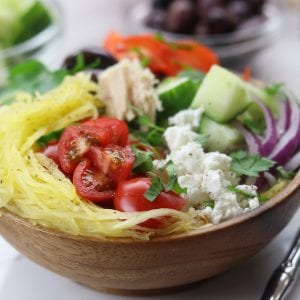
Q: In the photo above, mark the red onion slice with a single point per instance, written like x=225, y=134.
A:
x=294, y=163
x=252, y=140
x=270, y=138
x=284, y=121
x=289, y=142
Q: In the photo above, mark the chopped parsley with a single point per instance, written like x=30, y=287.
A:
x=149, y=132
x=143, y=160
x=81, y=65
x=172, y=183
x=159, y=36
x=240, y=192
x=154, y=190
x=157, y=184
x=208, y=203
x=145, y=61
x=274, y=89
x=52, y=136
x=30, y=76
x=250, y=165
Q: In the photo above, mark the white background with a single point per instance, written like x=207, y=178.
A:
x=86, y=22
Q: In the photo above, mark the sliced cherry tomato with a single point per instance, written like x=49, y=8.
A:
x=164, y=57
x=129, y=197
x=92, y=184
x=119, y=129
x=51, y=151
x=75, y=142
x=115, y=161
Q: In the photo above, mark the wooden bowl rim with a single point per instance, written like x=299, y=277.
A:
x=288, y=191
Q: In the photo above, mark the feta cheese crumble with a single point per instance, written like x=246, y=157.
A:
x=207, y=177
x=177, y=137
x=187, y=118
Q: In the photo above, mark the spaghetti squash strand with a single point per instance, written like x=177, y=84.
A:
x=33, y=187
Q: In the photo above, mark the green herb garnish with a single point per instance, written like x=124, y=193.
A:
x=250, y=165
x=143, y=160
x=274, y=89
x=52, y=136
x=30, y=76
x=144, y=120
x=157, y=184
x=81, y=65
x=208, y=203
x=159, y=36
x=154, y=190
x=240, y=192
x=172, y=183
x=151, y=133
x=145, y=61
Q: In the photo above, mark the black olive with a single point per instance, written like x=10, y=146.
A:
x=220, y=21
x=204, y=6
x=156, y=19
x=256, y=6
x=239, y=9
x=94, y=58
x=201, y=29
x=161, y=4
x=181, y=16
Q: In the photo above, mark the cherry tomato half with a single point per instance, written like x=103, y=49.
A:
x=92, y=184
x=119, y=129
x=129, y=197
x=114, y=161
x=76, y=140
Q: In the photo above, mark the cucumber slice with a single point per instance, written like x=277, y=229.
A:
x=222, y=94
x=222, y=138
x=176, y=94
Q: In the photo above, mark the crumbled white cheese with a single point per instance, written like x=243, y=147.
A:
x=128, y=84
x=249, y=189
x=187, y=118
x=207, y=176
x=177, y=137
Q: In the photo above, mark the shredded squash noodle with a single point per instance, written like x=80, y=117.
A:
x=32, y=186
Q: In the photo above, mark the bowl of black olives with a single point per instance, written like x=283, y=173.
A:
x=235, y=29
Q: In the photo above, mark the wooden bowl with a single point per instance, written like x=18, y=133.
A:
x=165, y=262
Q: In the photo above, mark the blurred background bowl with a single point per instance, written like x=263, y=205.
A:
x=42, y=46
x=235, y=49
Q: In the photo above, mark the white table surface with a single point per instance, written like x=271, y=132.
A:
x=86, y=22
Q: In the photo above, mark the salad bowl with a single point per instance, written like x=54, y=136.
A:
x=112, y=205
x=127, y=265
